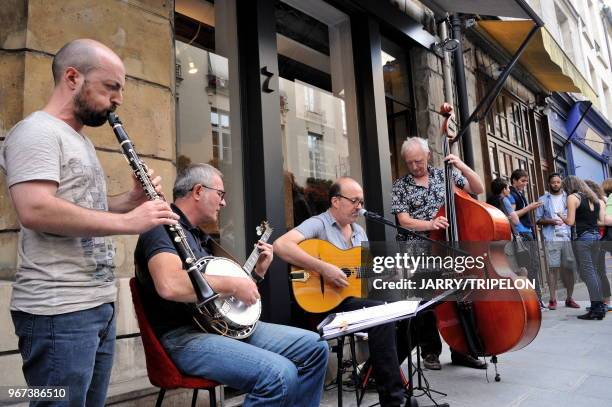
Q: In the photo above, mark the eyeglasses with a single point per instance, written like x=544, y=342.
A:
x=220, y=192
x=354, y=201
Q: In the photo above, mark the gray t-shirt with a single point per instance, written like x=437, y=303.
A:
x=325, y=227
x=59, y=274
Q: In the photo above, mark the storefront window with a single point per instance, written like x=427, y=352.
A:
x=398, y=102
x=205, y=109
x=560, y=157
x=513, y=132
x=317, y=104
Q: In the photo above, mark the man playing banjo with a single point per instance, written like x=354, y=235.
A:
x=276, y=365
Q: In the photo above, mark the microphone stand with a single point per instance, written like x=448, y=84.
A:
x=380, y=219
x=408, y=232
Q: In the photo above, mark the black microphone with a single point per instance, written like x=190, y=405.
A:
x=370, y=215
x=380, y=219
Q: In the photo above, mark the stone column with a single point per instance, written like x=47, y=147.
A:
x=428, y=84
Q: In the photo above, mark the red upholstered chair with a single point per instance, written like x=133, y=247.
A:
x=160, y=368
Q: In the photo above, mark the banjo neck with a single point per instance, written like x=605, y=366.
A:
x=249, y=265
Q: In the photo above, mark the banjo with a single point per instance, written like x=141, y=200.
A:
x=230, y=316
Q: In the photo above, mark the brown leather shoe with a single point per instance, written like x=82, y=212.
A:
x=570, y=303
x=467, y=361
x=432, y=362
x=552, y=304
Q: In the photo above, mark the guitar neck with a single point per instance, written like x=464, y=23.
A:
x=356, y=272
x=366, y=272
x=249, y=265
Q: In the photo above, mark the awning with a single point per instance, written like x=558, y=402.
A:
x=543, y=58
x=503, y=8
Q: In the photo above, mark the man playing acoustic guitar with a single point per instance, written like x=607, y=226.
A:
x=337, y=226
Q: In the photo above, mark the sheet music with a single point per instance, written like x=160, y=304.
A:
x=366, y=317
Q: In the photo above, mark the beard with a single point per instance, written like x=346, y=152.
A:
x=555, y=190
x=87, y=114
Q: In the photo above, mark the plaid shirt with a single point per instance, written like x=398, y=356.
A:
x=420, y=202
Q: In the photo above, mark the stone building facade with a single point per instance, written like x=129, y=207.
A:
x=364, y=82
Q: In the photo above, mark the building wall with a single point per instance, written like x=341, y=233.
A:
x=580, y=28
x=479, y=64
x=593, y=41
x=140, y=31
x=429, y=96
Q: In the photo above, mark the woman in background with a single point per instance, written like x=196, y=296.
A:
x=606, y=243
x=586, y=214
x=601, y=195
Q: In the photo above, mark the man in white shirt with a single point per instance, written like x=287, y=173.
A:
x=557, y=237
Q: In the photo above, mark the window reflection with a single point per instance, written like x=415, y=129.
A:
x=207, y=118
x=202, y=92
x=317, y=104
x=398, y=102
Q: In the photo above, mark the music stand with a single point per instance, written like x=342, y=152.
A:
x=340, y=336
x=412, y=402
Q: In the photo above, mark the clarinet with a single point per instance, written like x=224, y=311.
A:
x=202, y=289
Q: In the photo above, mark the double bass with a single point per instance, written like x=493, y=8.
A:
x=487, y=322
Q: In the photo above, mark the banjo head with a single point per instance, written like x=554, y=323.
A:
x=232, y=308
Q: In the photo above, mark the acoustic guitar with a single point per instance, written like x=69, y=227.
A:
x=311, y=291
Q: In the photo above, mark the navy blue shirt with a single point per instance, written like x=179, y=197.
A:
x=164, y=315
x=518, y=198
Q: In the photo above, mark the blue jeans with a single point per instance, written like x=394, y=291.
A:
x=277, y=365
x=587, y=252
x=532, y=264
x=73, y=349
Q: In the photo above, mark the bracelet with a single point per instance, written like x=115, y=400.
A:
x=258, y=279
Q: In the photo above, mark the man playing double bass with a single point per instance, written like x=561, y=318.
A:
x=416, y=199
